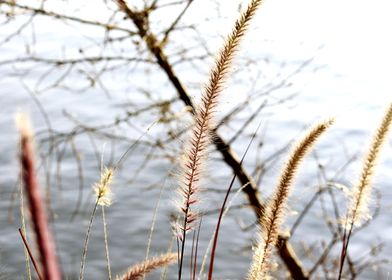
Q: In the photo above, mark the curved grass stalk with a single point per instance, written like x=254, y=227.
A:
x=84, y=254
x=360, y=194
x=223, y=209
x=275, y=210
x=105, y=232
x=210, y=243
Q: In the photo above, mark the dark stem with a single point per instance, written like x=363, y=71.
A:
x=192, y=253
x=222, y=210
x=346, y=240
x=30, y=254
x=197, y=246
x=183, y=241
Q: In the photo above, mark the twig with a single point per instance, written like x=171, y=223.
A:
x=30, y=254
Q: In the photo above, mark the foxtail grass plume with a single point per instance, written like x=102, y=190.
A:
x=102, y=189
x=276, y=207
x=138, y=271
x=199, y=138
x=195, y=150
x=358, y=207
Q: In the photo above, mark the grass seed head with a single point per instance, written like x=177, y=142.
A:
x=102, y=189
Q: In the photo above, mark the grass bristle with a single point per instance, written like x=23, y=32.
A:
x=102, y=188
x=199, y=139
x=275, y=210
x=358, y=209
x=138, y=271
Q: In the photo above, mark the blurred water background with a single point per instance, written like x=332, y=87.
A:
x=343, y=53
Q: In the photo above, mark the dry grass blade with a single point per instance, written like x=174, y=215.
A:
x=276, y=207
x=43, y=235
x=360, y=194
x=138, y=271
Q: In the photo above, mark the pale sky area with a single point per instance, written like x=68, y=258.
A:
x=350, y=38
x=355, y=40
x=356, y=34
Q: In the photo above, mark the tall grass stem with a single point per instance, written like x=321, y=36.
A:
x=105, y=232
x=85, y=246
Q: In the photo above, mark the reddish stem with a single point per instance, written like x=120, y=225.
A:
x=44, y=238
x=222, y=210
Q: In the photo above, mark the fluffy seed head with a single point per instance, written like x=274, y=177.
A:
x=137, y=271
x=359, y=206
x=275, y=210
x=24, y=125
x=102, y=189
